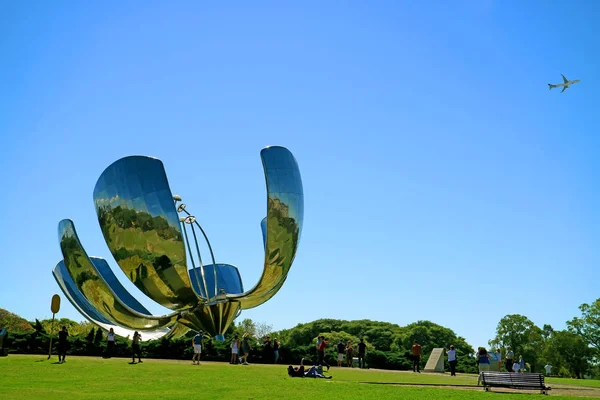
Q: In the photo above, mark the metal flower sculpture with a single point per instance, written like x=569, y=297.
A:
x=149, y=231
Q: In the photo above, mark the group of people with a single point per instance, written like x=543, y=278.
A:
x=343, y=350
x=63, y=345
x=240, y=349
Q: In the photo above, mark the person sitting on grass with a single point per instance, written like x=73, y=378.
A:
x=312, y=372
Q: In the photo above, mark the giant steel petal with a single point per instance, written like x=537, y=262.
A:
x=285, y=214
x=72, y=293
x=141, y=227
x=104, y=298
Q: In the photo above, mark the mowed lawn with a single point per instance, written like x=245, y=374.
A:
x=34, y=377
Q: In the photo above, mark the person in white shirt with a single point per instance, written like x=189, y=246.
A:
x=110, y=343
x=235, y=347
x=452, y=360
x=548, y=369
x=516, y=367
x=510, y=355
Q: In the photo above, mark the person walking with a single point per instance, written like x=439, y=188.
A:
x=62, y=344
x=276, y=350
x=362, y=350
x=350, y=354
x=135, y=347
x=416, y=355
x=197, y=345
x=321, y=353
x=483, y=360
x=110, y=343
x=341, y=349
x=235, y=347
x=508, y=363
x=452, y=360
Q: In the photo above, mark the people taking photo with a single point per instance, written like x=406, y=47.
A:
x=452, y=360
x=483, y=361
x=197, y=345
x=135, y=347
x=235, y=347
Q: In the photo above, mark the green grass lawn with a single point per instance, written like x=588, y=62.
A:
x=34, y=377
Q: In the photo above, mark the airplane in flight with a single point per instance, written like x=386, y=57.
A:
x=564, y=85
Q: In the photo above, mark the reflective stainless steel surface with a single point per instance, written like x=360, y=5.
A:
x=228, y=279
x=141, y=227
x=138, y=217
x=104, y=298
x=68, y=287
x=285, y=214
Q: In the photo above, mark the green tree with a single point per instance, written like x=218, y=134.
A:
x=520, y=333
x=588, y=325
x=13, y=323
x=569, y=350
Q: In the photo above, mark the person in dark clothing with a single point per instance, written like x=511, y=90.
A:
x=341, y=349
x=276, y=350
x=135, y=347
x=362, y=349
x=321, y=352
x=416, y=356
x=62, y=344
x=267, y=350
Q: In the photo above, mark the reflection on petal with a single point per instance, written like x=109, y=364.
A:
x=228, y=280
x=69, y=289
x=97, y=292
x=141, y=227
x=285, y=213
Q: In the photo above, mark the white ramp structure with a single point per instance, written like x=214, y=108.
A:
x=435, y=363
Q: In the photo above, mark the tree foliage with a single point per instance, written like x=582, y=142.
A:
x=14, y=323
x=567, y=350
x=520, y=333
x=588, y=325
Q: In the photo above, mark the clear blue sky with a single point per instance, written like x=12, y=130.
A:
x=443, y=181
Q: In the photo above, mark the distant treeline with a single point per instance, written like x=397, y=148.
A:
x=572, y=352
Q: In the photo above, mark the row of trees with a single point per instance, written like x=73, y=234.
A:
x=573, y=352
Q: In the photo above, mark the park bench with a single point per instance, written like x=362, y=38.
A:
x=514, y=380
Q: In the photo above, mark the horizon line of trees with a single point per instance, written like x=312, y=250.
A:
x=573, y=352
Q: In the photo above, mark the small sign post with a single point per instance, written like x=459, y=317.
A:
x=54, y=307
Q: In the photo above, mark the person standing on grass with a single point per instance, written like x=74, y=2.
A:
x=416, y=356
x=362, y=350
x=452, y=360
x=267, y=350
x=135, y=347
x=341, y=349
x=321, y=353
x=276, y=350
x=510, y=355
x=62, y=344
x=349, y=354
x=235, y=347
x=499, y=358
x=483, y=360
x=246, y=347
x=548, y=368
x=110, y=343
x=197, y=345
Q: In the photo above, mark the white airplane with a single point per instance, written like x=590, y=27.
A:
x=564, y=85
